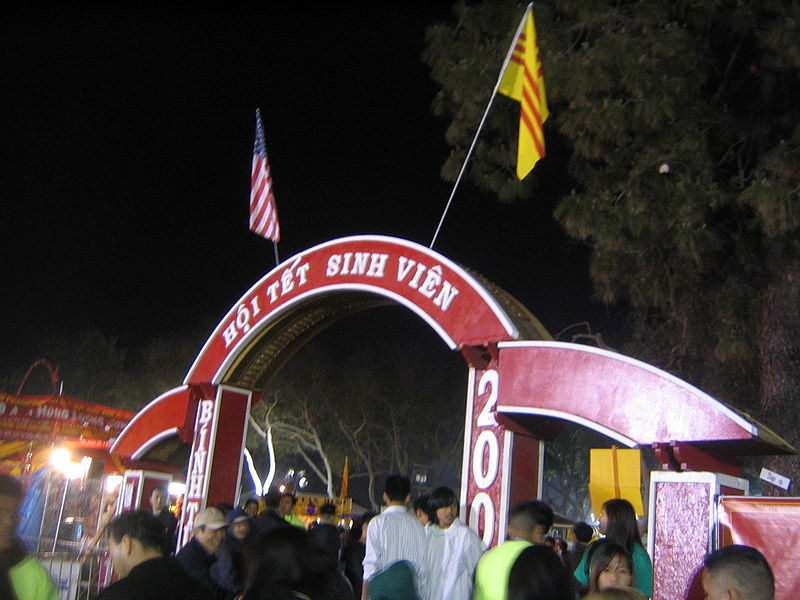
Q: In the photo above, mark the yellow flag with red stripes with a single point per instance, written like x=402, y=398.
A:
x=523, y=81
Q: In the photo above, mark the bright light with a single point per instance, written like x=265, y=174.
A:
x=59, y=459
x=281, y=488
x=112, y=483
x=302, y=483
x=74, y=470
x=176, y=488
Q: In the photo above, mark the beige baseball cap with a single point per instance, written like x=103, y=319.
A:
x=210, y=517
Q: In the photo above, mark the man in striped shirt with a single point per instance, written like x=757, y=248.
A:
x=396, y=535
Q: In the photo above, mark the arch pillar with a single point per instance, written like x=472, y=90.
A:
x=502, y=464
x=215, y=462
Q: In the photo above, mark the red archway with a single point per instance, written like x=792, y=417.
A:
x=518, y=381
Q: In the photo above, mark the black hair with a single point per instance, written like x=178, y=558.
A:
x=622, y=527
x=526, y=515
x=140, y=525
x=538, y=574
x=748, y=569
x=583, y=532
x=11, y=486
x=358, y=525
x=272, y=498
x=599, y=556
x=423, y=503
x=225, y=508
x=327, y=509
x=397, y=488
x=283, y=562
x=440, y=498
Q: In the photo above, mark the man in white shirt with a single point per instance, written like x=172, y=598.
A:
x=396, y=535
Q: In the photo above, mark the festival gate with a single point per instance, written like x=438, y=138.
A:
x=520, y=385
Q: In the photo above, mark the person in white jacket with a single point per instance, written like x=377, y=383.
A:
x=454, y=549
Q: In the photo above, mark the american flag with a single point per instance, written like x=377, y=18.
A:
x=263, y=213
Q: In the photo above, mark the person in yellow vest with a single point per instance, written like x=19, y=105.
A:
x=528, y=523
x=21, y=576
x=286, y=510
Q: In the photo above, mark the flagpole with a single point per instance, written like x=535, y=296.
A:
x=275, y=247
x=483, y=120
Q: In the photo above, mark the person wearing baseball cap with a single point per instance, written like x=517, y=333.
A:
x=200, y=552
x=228, y=570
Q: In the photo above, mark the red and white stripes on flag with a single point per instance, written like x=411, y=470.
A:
x=263, y=212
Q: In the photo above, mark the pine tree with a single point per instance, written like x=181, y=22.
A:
x=680, y=125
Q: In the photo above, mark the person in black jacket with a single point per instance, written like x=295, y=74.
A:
x=228, y=570
x=136, y=549
x=353, y=554
x=158, y=503
x=197, y=556
x=268, y=519
x=324, y=535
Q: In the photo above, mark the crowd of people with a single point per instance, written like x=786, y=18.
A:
x=262, y=551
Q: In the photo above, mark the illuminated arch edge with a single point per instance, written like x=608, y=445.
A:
x=247, y=338
x=749, y=427
x=133, y=424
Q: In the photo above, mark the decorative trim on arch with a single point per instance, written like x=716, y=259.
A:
x=454, y=302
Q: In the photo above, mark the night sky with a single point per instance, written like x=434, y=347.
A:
x=127, y=142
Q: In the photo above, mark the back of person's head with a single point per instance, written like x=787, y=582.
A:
x=272, y=499
x=538, y=574
x=367, y=517
x=527, y=516
x=359, y=524
x=225, y=507
x=601, y=556
x=139, y=525
x=622, y=527
x=11, y=486
x=583, y=532
x=397, y=488
x=275, y=561
x=741, y=568
x=283, y=561
x=327, y=509
x=626, y=593
x=421, y=503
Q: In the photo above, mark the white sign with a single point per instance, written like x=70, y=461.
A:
x=775, y=479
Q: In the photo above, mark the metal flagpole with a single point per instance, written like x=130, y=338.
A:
x=483, y=119
x=277, y=260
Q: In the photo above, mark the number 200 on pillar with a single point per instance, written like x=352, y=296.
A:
x=485, y=456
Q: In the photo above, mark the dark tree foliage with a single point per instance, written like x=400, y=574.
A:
x=682, y=129
x=95, y=367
